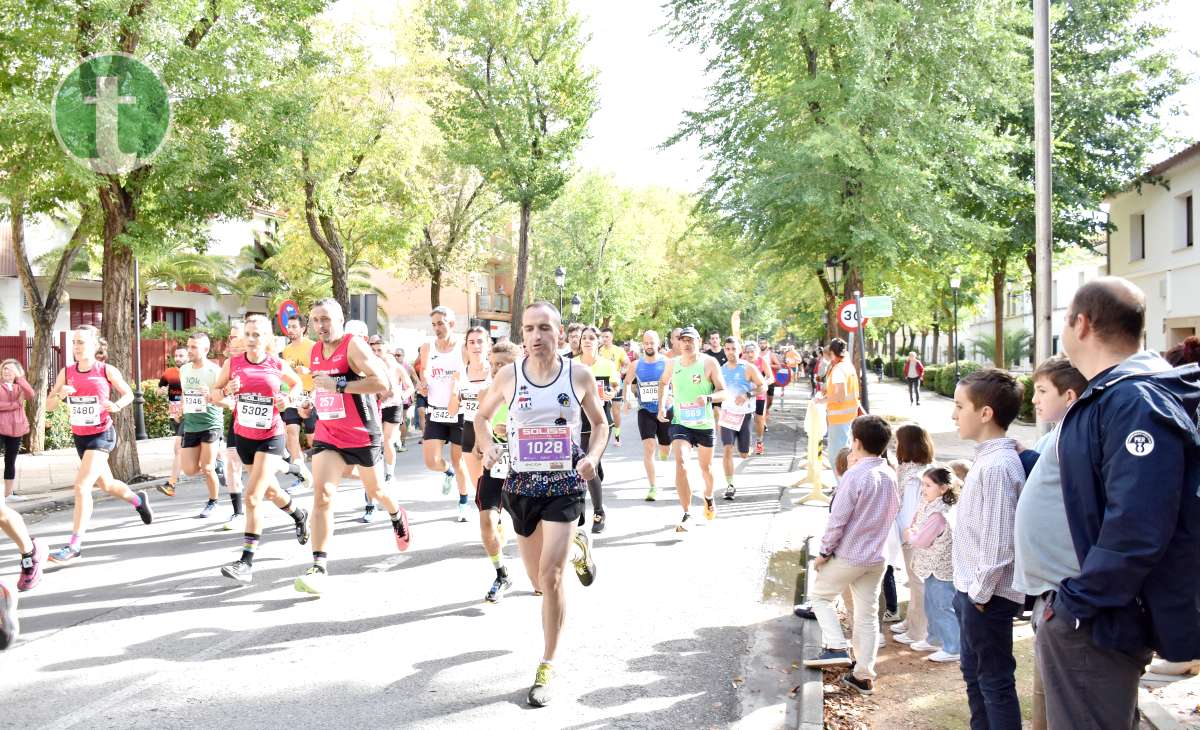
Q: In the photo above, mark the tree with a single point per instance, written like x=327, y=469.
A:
x=518, y=104
x=459, y=210
x=217, y=59
x=1018, y=346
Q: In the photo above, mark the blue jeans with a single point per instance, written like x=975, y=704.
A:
x=839, y=438
x=939, y=610
x=987, y=662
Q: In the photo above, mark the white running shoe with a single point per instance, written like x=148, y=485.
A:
x=313, y=581
x=904, y=639
x=941, y=656
x=236, y=523
x=922, y=646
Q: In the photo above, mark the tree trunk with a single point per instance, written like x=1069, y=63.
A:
x=998, y=302
x=892, y=345
x=924, y=342
x=435, y=290
x=1031, y=264
x=518, y=295
x=117, y=321
x=934, y=353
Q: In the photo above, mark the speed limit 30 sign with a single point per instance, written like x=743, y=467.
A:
x=848, y=316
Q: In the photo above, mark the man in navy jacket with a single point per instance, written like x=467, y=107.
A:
x=1129, y=450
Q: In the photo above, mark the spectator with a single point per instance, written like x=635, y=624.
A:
x=985, y=403
x=932, y=546
x=14, y=389
x=1039, y=566
x=852, y=554
x=1185, y=352
x=1130, y=519
x=840, y=397
x=914, y=373
x=914, y=454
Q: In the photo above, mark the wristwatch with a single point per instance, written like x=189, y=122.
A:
x=340, y=384
x=827, y=556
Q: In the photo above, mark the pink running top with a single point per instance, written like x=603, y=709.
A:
x=91, y=389
x=344, y=420
x=764, y=366
x=255, y=415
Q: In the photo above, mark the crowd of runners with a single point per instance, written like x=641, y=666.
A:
x=525, y=426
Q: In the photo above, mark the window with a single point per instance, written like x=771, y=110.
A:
x=1054, y=345
x=176, y=318
x=85, y=311
x=1137, y=237
x=1189, y=228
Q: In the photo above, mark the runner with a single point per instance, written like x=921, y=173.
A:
x=674, y=351
x=464, y=403
x=604, y=371
x=489, y=488
x=763, y=365
x=398, y=354
x=203, y=421
x=252, y=379
x=168, y=385
x=87, y=387
x=773, y=365
x=14, y=389
x=440, y=360
x=741, y=380
x=714, y=348
x=392, y=409
x=297, y=353
x=347, y=377
x=573, y=331
x=695, y=381
x=547, y=395
x=10, y=628
x=646, y=372
x=621, y=361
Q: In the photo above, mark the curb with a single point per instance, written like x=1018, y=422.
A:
x=1154, y=714
x=60, y=499
x=810, y=700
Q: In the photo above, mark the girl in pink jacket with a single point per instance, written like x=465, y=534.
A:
x=13, y=425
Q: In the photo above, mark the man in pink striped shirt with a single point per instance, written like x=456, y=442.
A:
x=864, y=510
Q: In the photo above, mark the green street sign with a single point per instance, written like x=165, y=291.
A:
x=873, y=307
x=111, y=113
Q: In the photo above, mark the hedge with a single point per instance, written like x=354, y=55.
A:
x=155, y=411
x=1026, y=413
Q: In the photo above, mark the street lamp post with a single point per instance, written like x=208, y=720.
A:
x=833, y=273
x=560, y=278
x=955, y=282
x=576, y=303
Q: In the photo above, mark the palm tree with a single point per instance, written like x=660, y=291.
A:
x=1018, y=346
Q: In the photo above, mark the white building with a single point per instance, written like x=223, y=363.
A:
x=1071, y=270
x=82, y=304
x=1154, y=246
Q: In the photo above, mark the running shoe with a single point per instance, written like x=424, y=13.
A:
x=940, y=656
x=585, y=567
x=652, y=495
x=922, y=646
x=31, y=567
x=617, y=441
x=683, y=523
x=597, y=523
x=500, y=587
x=313, y=581
x=710, y=509
x=306, y=476
x=167, y=489
x=301, y=526
x=368, y=515
x=10, y=628
x=730, y=492
x=462, y=512
x=904, y=638
x=143, y=509
x=239, y=571
x=758, y=449
x=539, y=693
x=235, y=523
x=65, y=554
x=402, y=448
x=400, y=527
x=447, y=482
x=207, y=511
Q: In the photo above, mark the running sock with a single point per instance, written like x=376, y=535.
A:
x=616, y=432
x=291, y=509
x=319, y=560
x=134, y=499
x=74, y=541
x=501, y=572
x=249, y=545
x=596, y=489
x=462, y=499
x=236, y=501
x=450, y=472
x=211, y=503
x=497, y=561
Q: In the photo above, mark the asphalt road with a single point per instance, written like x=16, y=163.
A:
x=144, y=632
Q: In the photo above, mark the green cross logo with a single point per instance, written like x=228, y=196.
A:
x=111, y=113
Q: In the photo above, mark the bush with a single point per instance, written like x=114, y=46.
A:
x=58, y=429
x=1026, y=413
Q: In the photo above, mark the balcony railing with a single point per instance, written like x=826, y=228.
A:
x=493, y=303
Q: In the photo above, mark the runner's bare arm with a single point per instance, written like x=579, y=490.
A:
x=292, y=380
x=593, y=410
x=117, y=381
x=55, y=399
x=756, y=378
x=713, y=371
x=498, y=392
x=663, y=383
x=217, y=394
x=374, y=379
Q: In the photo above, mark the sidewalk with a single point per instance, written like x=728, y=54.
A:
x=45, y=480
x=890, y=399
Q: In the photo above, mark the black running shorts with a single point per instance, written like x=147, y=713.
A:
x=367, y=456
x=741, y=437
x=247, y=448
x=694, y=436
x=468, y=437
x=527, y=512
x=760, y=407
x=105, y=441
x=392, y=414
x=448, y=432
x=489, y=492
x=192, y=439
x=649, y=427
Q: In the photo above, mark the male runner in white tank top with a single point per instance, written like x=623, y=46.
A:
x=439, y=361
